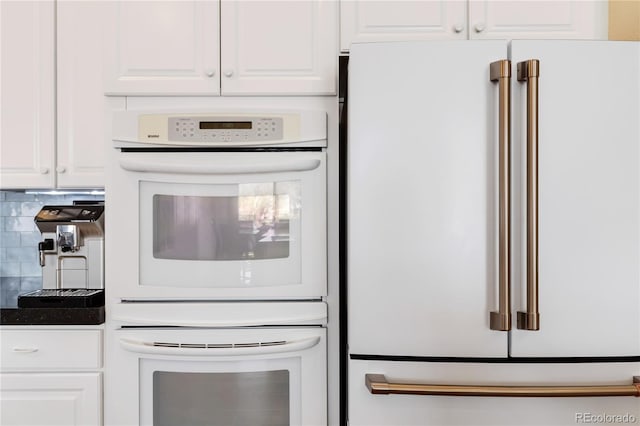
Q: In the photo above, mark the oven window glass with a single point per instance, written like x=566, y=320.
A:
x=253, y=223
x=258, y=398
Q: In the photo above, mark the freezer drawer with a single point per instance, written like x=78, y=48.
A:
x=366, y=409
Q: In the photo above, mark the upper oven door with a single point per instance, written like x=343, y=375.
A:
x=218, y=225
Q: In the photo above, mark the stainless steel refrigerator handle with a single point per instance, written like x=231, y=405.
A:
x=528, y=71
x=378, y=384
x=500, y=71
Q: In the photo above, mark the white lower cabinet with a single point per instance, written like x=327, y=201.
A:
x=38, y=399
x=50, y=376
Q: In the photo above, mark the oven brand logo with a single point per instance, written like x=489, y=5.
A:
x=153, y=136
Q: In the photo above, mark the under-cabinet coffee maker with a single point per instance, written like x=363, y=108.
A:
x=72, y=249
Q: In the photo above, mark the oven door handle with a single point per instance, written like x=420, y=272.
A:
x=173, y=166
x=214, y=349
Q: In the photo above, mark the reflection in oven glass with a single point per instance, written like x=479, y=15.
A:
x=258, y=398
x=254, y=224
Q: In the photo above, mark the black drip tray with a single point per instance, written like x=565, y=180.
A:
x=64, y=298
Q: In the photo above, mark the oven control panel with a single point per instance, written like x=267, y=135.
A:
x=225, y=129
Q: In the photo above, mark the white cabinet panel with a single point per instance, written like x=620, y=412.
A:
x=163, y=47
x=279, y=47
x=64, y=399
x=27, y=96
x=538, y=19
x=364, y=21
x=81, y=126
x=589, y=199
x=423, y=244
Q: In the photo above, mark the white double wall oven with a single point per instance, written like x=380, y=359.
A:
x=217, y=268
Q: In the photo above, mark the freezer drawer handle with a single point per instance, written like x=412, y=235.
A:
x=378, y=384
x=529, y=71
x=500, y=71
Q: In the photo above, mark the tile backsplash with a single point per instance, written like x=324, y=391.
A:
x=19, y=237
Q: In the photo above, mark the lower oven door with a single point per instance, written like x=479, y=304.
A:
x=254, y=377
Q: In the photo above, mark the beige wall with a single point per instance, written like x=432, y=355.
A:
x=624, y=19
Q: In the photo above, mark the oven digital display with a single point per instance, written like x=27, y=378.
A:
x=225, y=125
x=213, y=129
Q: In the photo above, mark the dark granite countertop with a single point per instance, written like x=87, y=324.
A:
x=11, y=314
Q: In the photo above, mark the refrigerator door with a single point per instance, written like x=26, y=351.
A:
x=588, y=199
x=422, y=199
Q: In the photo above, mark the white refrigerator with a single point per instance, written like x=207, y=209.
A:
x=493, y=233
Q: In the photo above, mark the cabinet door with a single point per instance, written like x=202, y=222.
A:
x=65, y=399
x=162, y=47
x=537, y=19
x=27, y=94
x=80, y=100
x=279, y=47
x=367, y=21
x=588, y=199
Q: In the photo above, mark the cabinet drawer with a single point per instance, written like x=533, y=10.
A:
x=47, y=349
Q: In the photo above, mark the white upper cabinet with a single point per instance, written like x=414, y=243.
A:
x=363, y=21
x=222, y=47
x=279, y=47
x=538, y=19
x=163, y=47
x=79, y=99
x=53, y=107
x=27, y=94
x=386, y=20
